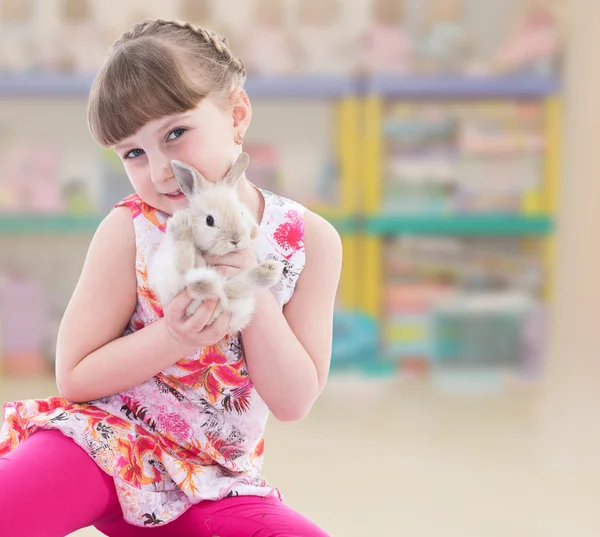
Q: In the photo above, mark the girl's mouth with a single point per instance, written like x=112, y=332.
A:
x=175, y=195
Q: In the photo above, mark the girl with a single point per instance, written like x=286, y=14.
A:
x=161, y=420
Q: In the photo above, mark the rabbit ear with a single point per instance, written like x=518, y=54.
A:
x=237, y=170
x=189, y=179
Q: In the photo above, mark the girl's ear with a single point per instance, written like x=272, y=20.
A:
x=241, y=112
x=190, y=180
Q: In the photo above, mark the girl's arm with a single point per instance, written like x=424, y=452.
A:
x=288, y=354
x=93, y=358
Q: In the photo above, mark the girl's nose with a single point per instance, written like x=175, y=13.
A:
x=160, y=169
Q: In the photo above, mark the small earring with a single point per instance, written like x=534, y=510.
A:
x=239, y=140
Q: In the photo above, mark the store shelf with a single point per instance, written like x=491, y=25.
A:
x=461, y=86
x=48, y=85
x=475, y=225
x=23, y=224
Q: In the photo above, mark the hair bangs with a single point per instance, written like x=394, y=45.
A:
x=140, y=82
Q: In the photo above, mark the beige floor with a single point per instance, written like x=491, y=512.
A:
x=406, y=460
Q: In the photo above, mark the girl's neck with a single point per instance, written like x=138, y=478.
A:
x=252, y=198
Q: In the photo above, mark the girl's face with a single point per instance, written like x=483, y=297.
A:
x=203, y=137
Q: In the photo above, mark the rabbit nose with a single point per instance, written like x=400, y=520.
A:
x=235, y=242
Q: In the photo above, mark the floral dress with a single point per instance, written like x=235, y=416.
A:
x=193, y=432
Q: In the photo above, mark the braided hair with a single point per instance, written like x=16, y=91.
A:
x=158, y=68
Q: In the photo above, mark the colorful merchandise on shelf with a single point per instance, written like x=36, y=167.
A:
x=482, y=331
x=386, y=46
x=355, y=342
x=31, y=185
x=459, y=158
x=425, y=277
x=446, y=46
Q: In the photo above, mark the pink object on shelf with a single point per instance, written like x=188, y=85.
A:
x=268, y=51
x=536, y=42
x=414, y=297
x=32, y=184
x=22, y=327
x=388, y=49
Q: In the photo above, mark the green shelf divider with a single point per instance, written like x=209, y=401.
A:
x=51, y=224
x=474, y=225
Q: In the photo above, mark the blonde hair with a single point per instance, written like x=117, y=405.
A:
x=156, y=69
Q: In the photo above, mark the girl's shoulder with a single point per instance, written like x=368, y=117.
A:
x=279, y=204
x=140, y=209
x=288, y=219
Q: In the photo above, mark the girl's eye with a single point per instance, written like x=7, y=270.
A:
x=133, y=154
x=176, y=133
x=210, y=221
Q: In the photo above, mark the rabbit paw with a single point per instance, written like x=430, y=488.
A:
x=268, y=273
x=181, y=226
x=204, y=283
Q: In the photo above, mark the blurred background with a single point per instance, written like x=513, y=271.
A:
x=453, y=145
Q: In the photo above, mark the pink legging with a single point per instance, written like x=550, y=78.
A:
x=49, y=487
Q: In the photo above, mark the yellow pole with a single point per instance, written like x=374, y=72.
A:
x=349, y=169
x=552, y=167
x=371, y=262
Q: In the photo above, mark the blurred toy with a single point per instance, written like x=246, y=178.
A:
x=534, y=44
x=264, y=169
x=328, y=183
x=115, y=184
x=198, y=12
x=77, y=196
x=79, y=44
x=202, y=13
x=268, y=46
x=323, y=47
x=17, y=39
x=446, y=46
x=32, y=184
x=386, y=46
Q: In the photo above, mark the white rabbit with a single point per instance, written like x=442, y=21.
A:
x=215, y=222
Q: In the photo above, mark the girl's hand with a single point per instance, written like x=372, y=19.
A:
x=233, y=262
x=192, y=332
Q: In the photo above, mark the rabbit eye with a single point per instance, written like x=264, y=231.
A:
x=210, y=221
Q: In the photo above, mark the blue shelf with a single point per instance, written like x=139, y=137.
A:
x=461, y=86
x=44, y=85
x=302, y=87
x=51, y=85
x=313, y=87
